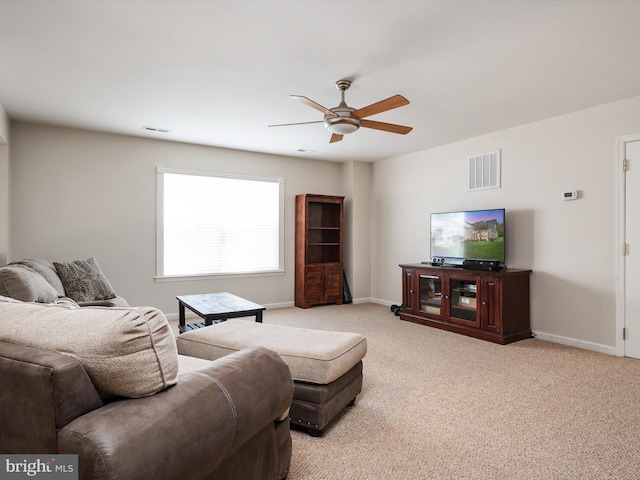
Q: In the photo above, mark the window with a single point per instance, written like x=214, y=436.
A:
x=214, y=224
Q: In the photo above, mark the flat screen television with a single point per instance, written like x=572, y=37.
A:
x=468, y=235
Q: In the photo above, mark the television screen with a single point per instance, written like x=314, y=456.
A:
x=477, y=234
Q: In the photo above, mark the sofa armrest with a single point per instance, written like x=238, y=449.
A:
x=187, y=430
x=40, y=392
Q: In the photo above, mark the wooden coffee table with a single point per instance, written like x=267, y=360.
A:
x=214, y=308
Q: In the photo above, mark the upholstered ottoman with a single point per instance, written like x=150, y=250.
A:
x=326, y=366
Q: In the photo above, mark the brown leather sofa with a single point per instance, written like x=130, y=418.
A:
x=217, y=422
x=222, y=419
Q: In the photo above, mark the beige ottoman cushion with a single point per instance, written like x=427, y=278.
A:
x=189, y=364
x=314, y=356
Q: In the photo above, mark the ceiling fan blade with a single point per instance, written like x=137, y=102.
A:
x=335, y=138
x=313, y=104
x=387, y=127
x=299, y=123
x=381, y=106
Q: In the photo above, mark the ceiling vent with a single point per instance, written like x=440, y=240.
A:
x=154, y=129
x=484, y=171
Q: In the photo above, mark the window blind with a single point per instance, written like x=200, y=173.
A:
x=211, y=224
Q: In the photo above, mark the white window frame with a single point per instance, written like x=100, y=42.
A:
x=160, y=276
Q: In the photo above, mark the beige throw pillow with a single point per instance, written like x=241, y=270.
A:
x=24, y=284
x=44, y=268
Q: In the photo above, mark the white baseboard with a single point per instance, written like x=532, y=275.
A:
x=272, y=306
x=549, y=337
x=379, y=301
x=573, y=342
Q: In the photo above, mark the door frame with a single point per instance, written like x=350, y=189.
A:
x=621, y=143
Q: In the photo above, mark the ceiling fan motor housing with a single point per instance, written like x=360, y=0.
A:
x=341, y=123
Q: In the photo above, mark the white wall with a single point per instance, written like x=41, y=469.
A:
x=4, y=126
x=4, y=186
x=357, y=265
x=77, y=194
x=569, y=245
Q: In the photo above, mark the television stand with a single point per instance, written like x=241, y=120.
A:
x=490, y=305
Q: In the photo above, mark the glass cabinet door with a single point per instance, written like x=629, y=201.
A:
x=430, y=294
x=464, y=307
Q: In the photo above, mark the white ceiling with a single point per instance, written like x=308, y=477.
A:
x=218, y=72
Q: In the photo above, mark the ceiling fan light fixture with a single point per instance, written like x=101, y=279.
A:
x=342, y=125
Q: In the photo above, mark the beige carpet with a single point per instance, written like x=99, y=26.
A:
x=436, y=405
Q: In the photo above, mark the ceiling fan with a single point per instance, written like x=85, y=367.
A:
x=343, y=119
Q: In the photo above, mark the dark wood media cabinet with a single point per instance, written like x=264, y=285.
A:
x=492, y=306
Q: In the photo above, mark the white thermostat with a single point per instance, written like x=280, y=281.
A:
x=572, y=195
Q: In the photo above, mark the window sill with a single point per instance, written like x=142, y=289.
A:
x=214, y=276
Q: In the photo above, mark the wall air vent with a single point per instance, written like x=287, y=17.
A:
x=484, y=171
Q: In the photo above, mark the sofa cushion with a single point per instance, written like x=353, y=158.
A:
x=129, y=352
x=84, y=281
x=44, y=268
x=25, y=284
